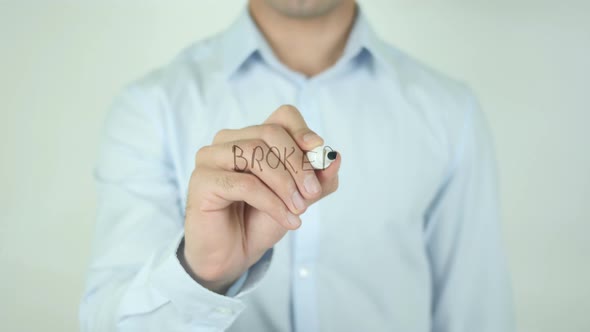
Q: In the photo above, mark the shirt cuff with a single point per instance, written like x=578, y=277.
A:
x=237, y=286
x=256, y=273
x=197, y=303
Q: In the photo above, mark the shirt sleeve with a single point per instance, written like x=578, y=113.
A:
x=471, y=284
x=135, y=281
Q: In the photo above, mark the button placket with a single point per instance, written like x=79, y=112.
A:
x=305, y=239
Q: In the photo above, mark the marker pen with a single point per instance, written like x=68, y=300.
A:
x=321, y=157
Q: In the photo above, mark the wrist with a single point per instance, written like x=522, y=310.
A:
x=219, y=286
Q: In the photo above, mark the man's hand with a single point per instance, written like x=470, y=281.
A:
x=233, y=217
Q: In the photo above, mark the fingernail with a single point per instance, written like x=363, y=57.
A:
x=293, y=219
x=298, y=201
x=310, y=137
x=311, y=184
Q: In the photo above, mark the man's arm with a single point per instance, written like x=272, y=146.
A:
x=135, y=280
x=157, y=268
x=471, y=287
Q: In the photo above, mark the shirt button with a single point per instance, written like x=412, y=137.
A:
x=303, y=272
x=224, y=310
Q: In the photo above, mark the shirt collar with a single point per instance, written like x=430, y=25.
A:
x=240, y=41
x=243, y=39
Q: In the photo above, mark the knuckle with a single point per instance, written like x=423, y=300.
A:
x=201, y=154
x=225, y=182
x=251, y=144
x=222, y=135
x=246, y=183
x=272, y=130
x=288, y=109
x=229, y=146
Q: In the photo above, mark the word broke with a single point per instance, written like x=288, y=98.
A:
x=272, y=158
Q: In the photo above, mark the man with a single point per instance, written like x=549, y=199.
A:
x=204, y=229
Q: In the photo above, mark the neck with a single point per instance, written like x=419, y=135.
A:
x=306, y=45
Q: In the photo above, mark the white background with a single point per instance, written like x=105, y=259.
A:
x=61, y=63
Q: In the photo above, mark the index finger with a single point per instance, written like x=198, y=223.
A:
x=289, y=117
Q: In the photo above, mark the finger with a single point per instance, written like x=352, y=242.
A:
x=289, y=117
x=282, y=145
x=222, y=188
x=254, y=156
x=329, y=176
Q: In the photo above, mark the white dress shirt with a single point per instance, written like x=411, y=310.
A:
x=410, y=242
